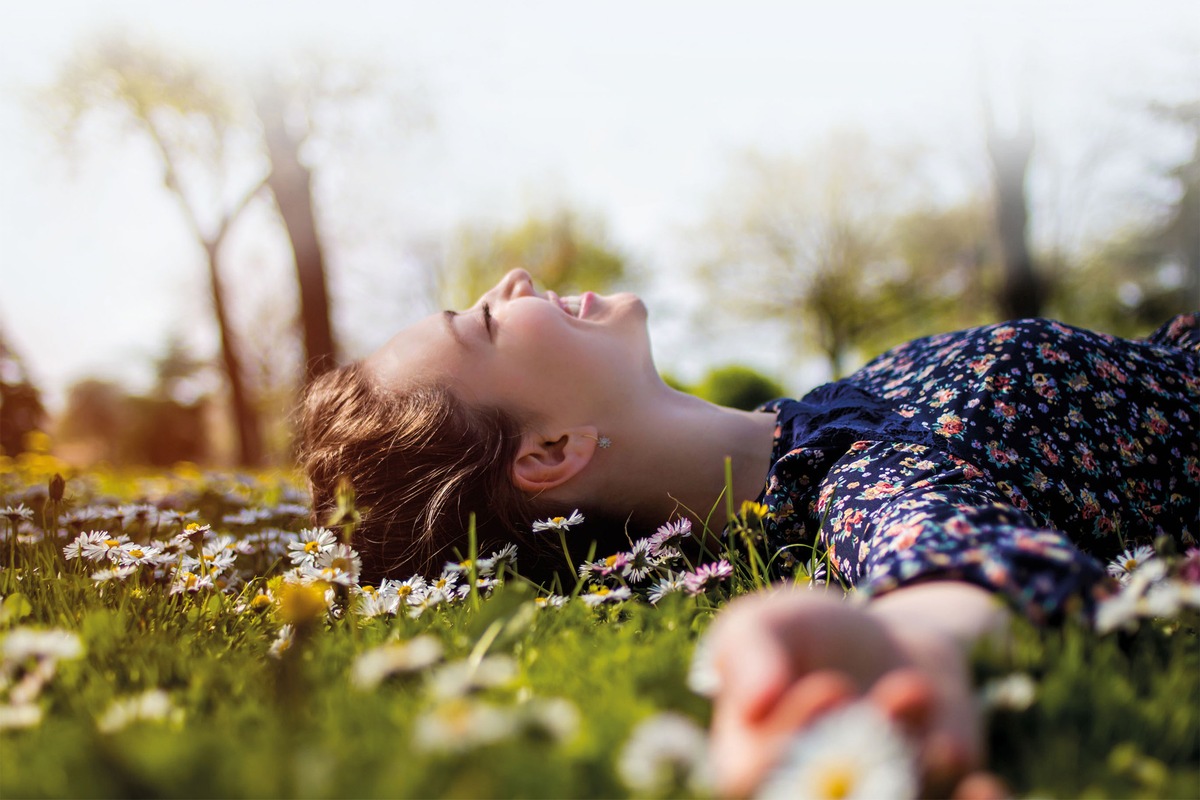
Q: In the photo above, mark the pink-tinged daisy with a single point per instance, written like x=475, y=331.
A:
x=616, y=564
x=558, y=523
x=706, y=576
x=668, y=537
x=1124, y=565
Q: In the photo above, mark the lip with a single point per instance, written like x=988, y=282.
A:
x=586, y=301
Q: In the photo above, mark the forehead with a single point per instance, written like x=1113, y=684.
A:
x=422, y=351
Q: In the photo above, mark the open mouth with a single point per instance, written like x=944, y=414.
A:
x=574, y=306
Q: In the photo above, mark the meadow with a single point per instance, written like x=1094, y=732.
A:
x=191, y=634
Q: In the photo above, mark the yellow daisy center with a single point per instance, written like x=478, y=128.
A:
x=112, y=543
x=403, y=590
x=836, y=782
x=559, y=520
x=1131, y=564
x=136, y=553
x=311, y=547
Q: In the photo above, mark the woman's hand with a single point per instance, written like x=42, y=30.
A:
x=784, y=658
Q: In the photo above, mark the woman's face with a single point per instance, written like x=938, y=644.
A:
x=529, y=353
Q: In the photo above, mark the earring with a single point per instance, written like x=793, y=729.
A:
x=603, y=442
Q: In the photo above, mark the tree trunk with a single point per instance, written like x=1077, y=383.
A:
x=291, y=183
x=1021, y=295
x=245, y=416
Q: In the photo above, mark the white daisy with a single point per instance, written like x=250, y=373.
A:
x=310, y=545
x=430, y=599
x=84, y=543
x=21, y=644
x=665, y=753
x=19, y=514
x=669, y=584
x=153, y=705
x=404, y=591
x=558, y=523
x=119, y=573
x=853, y=752
x=20, y=716
x=550, y=601
x=287, y=634
x=97, y=549
x=135, y=554
x=184, y=580
x=603, y=594
x=462, y=724
x=135, y=513
x=640, y=561
x=372, y=667
x=464, y=677
x=247, y=516
x=1124, y=565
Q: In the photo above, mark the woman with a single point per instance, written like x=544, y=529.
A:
x=941, y=475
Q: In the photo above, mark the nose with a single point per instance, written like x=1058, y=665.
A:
x=517, y=283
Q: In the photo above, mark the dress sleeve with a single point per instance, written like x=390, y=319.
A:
x=896, y=514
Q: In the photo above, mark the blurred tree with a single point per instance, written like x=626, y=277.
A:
x=1022, y=293
x=562, y=253
x=1180, y=235
x=737, y=386
x=1134, y=280
x=291, y=182
x=194, y=129
x=104, y=423
x=95, y=415
x=812, y=241
x=952, y=257
x=21, y=409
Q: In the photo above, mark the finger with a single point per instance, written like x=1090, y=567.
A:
x=981, y=786
x=745, y=752
x=908, y=698
x=753, y=669
x=808, y=698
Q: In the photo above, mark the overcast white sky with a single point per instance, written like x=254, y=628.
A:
x=629, y=110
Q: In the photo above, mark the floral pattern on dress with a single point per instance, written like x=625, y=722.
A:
x=1013, y=456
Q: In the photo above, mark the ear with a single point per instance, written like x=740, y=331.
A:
x=543, y=463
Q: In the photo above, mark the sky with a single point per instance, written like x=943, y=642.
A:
x=629, y=111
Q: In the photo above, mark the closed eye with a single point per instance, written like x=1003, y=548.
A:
x=487, y=319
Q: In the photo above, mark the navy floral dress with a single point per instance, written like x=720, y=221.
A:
x=1018, y=457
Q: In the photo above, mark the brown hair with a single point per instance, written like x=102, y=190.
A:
x=420, y=462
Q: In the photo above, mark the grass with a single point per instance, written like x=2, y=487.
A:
x=519, y=700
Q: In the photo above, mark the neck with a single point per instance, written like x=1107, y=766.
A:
x=671, y=460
